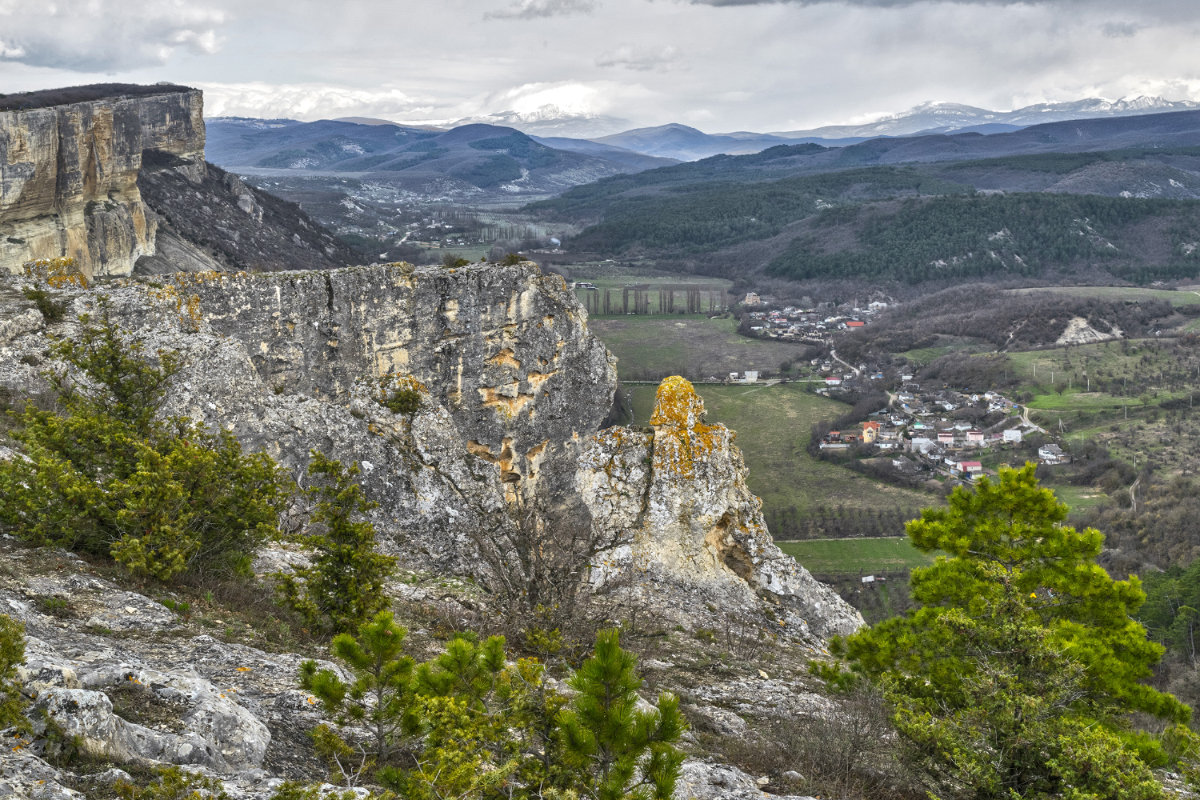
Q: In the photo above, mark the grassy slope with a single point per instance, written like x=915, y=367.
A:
x=653, y=347
x=851, y=556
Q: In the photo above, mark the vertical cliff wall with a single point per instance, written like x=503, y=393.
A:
x=505, y=349
x=512, y=381
x=69, y=171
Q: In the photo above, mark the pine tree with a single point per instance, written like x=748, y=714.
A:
x=379, y=697
x=344, y=584
x=618, y=751
x=1017, y=672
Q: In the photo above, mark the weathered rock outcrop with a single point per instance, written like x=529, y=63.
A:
x=294, y=361
x=688, y=536
x=68, y=176
x=514, y=389
x=98, y=173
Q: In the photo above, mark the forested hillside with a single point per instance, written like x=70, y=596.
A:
x=1026, y=235
x=1117, y=205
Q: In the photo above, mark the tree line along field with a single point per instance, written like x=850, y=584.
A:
x=656, y=297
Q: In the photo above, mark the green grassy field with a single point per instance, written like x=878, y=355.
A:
x=772, y=425
x=946, y=345
x=1079, y=498
x=651, y=348
x=852, y=556
x=1175, y=298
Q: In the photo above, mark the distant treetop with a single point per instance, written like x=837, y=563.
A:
x=83, y=94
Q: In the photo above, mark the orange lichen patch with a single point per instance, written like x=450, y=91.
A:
x=185, y=279
x=680, y=435
x=505, y=358
x=676, y=404
x=482, y=451
x=509, y=404
x=397, y=382
x=536, y=379
x=187, y=308
x=56, y=272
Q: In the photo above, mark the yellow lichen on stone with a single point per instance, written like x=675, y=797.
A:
x=56, y=272
x=188, y=308
x=186, y=279
x=680, y=435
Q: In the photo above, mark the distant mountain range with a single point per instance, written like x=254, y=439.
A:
x=688, y=144
x=500, y=160
x=466, y=161
x=544, y=153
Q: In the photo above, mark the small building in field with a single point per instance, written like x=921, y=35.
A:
x=971, y=469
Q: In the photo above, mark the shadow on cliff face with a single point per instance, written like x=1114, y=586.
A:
x=221, y=223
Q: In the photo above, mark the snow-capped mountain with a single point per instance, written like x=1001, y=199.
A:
x=947, y=117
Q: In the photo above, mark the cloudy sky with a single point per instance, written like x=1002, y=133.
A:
x=719, y=65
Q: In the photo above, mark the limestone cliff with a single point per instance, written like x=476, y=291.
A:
x=294, y=361
x=514, y=390
x=687, y=535
x=98, y=173
x=68, y=176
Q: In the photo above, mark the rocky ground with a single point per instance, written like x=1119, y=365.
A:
x=145, y=685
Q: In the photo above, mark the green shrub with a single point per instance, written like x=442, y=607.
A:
x=52, y=310
x=173, y=783
x=400, y=394
x=343, y=586
x=107, y=477
x=12, y=655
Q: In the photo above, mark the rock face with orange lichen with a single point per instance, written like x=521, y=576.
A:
x=690, y=537
x=457, y=391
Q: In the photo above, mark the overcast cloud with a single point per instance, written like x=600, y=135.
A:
x=532, y=9
x=97, y=36
x=717, y=64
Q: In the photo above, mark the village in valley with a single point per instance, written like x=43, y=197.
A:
x=926, y=431
x=807, y=325
x=940, y=431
